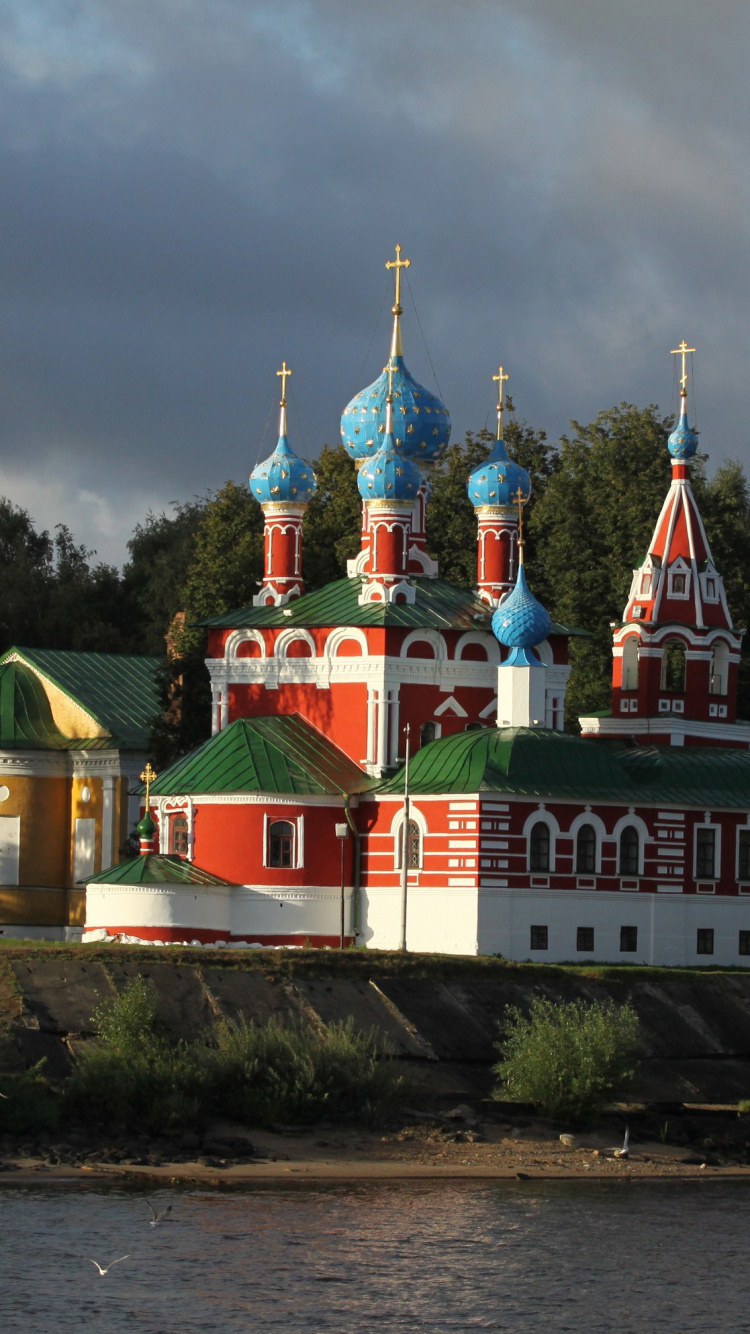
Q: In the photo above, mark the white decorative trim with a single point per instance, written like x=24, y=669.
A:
x=485, y=641
x=451, y=705
x=238, y=637
x=431, y=637
x=291, y=636
x=599, y=827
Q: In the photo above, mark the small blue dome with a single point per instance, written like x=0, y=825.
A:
x=683, y=442
x=498, y=480
x=421, y=425
x=520, y=621
x=389, y=476
x=282, y=477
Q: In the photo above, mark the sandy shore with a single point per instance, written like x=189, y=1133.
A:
x=415, y=1154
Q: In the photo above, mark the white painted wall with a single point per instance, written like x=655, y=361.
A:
x=439, y=921
x=10, y=847
x=259, y=911
x=84, y=845
x=163, y=906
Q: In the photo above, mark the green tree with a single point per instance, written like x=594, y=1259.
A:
x=162, y=550
x=333, y=523
x=725, y=506
x=591, y=527
x=568, y=1058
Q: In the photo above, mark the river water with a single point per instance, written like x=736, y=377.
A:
x=626, y=1258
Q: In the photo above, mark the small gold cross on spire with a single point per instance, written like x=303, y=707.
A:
x=398, y=264
x=284, y=373
x=148, y=777
x=520, y=500
x=501, y=377
x=390, y=371
x=682, y=351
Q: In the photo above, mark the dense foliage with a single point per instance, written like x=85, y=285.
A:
x=568, y=1058
x=138, y=1076
x=595, y=499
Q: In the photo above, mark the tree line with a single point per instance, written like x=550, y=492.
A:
x=595, y=498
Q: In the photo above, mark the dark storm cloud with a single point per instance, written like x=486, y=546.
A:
x=195, y=190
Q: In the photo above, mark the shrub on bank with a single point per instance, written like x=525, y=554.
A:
x=27, y=1103
x=568, y=1058
x=253, y=1073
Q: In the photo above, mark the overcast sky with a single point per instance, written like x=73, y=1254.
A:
x=193, y=190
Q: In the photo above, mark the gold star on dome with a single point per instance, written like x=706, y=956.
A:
x=410, y=428
x=381, y=430
x=399, y=472
x=402, y=410
x=435, y=430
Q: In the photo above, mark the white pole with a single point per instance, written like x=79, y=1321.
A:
x=405, y=845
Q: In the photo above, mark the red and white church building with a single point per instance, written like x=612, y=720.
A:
x=300, y=822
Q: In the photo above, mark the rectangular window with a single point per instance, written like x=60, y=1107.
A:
x=705, y=852
x=585, y=939
x=744, y=942
x=704, y=943
x=743, y=855
x=628, y=939
x=538, y=939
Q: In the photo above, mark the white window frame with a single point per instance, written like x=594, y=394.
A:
x=680, y=567
x=588, y=817
x=542, y=817
x=298, y=848
x=643, y=838
x=397, y=825
x=707, y=824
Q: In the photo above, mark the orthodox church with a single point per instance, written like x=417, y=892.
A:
x=388, y=766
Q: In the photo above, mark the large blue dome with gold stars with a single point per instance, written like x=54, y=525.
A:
x=683, y=442
x=520, y=621
x=498, y=480
x=421, y=424
x=389, y=475
x=283, y=477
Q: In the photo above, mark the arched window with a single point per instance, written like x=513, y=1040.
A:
x=586, y=849
x=673, y=666
x=281, y=843
x=426, y=734
x=719, y=668
x=539, y=847
x=475, y=727
x=179, y=835
x=630, y=851
x=413, y=846
x=630, y=663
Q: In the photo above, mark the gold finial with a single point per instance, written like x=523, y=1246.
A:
x=389, y=370
x=682, y=351
x=398, y=264
x=520, y=500
x=501, y=377
x=148, y=777
x=284, y=373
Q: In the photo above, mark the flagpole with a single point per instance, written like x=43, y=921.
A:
x=405, y=845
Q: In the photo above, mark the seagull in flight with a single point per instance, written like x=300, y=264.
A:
x=155, y=1216
x=102, y=1272
x=624, y=1152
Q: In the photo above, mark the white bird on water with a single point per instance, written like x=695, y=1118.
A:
x=157, y=1217
x=102, y=1272
x=624, y=1152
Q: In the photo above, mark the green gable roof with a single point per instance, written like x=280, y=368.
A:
x=438, y=605
x=25, y=716
x=155, y=868
x=275, y=755
x=118, y=689
x=535, y=762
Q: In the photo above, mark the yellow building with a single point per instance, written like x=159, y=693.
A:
x=74, y=734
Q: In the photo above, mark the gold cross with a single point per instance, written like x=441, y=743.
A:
x=398, y=264
x=284, y=373
x=682, y=351
x=501, y=376
x=520, y=500
x=148, y=777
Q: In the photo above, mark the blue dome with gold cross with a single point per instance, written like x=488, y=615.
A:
x=520, y=621
x=389, y=475
x=497, y=481
x=421, y=424
x=683, y=442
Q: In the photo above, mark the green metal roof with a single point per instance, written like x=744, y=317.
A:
x=25, y=716
x=155, y=868
x=117, y=689
x=538, y=763
x=438, y=605
x=275, y=755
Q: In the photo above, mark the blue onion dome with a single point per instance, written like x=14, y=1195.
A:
x=389, y=475
x=283, y=477
x=498, y=480
x=520, y=621
x=421, y=424
x=683, y=442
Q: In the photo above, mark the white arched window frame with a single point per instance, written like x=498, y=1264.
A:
x=542, y=817
x=431, y=637
x=340, y=636
x=630, y=663
x=292, y=636
x=298, y=851
x=719, y=681
x=643, y=838
x=487, y=642
x=397, y=824
x=238, y=637
x=587, y=817
x=544, y=653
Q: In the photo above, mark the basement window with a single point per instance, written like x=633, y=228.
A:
x=704, y=942
x=585, y=939
x=538, y=938
x=629, y=939
x=744, y=942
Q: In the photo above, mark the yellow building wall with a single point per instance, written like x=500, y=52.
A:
x=42, y=805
